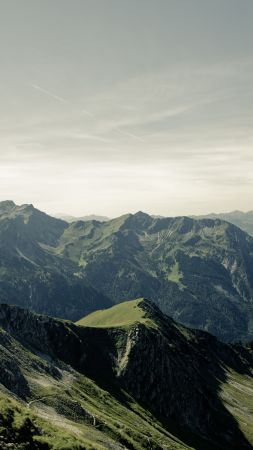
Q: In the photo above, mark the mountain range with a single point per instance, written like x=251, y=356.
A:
x=199, y=271
x=128, y=377
x=243, y=220
x=34, y=277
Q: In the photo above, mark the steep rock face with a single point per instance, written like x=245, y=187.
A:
x=48, y=336
x=86, y=350
x=176, y=372
x=173, y=384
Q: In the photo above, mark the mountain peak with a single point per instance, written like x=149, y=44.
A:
x=6, y=205
x=141, y=214
x=139, y=219
x=27, y=206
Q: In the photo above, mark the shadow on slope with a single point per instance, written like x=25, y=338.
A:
x=174, y=372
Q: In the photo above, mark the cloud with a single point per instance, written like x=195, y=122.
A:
x=175, y=138
x=126, y=133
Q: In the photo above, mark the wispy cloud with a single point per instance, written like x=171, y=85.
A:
x=49, y=94
x=187, y=132
x=126, y=133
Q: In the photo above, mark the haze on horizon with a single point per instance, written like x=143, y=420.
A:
x=117, y=106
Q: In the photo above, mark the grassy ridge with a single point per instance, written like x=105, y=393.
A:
x=121, y=315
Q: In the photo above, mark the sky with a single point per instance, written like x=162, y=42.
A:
x=115, y=106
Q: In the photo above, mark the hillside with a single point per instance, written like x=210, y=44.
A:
x=198, y=271
x=33, y=277
x=134, y=386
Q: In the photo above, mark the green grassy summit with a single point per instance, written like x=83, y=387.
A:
x=121, y=315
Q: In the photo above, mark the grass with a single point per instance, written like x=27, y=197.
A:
x=23, y=429
x=126, y=423
x=237, y=395
x=121, y=315
x=175, y=275
x=117, y=423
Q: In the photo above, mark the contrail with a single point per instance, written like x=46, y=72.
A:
x=129, y=134
x=50, y=94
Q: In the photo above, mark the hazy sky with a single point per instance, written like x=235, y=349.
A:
x=114, y=106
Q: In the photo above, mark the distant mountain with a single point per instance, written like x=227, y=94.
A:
x=70, y=219
x=34, y=277
x=200, y=271
x=243, y=220
x=142, y=381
